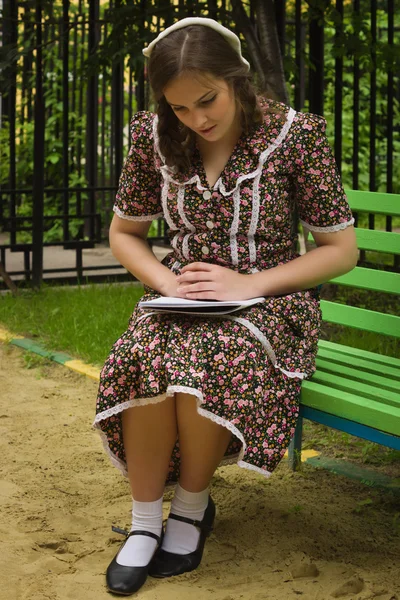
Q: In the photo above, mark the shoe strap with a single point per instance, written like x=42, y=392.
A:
x=199, y=524
x=148, y=533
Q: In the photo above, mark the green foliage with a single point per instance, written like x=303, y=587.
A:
x=349, y=40
x=127, y=33
x=355, y=41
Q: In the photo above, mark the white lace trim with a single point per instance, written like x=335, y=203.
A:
x=328, y=229
x=258, y=334
x=176, y=266
x=256, y=183
x=235, y=227
x=291, y=374
x=115, y=461
x=146, y=315
x=164, y=202
x=174, y=242
x=156, y=140
x=185, y=246
x=250, y=467
x=238, y=458
x=254, y=218
x=122, y=215
x=181, y=209
x=261, y=337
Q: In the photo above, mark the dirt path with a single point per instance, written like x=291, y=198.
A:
x=310, y=535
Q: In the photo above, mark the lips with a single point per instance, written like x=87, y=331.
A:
x=206, y=130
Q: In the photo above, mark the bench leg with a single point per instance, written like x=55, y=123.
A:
x=295, y=446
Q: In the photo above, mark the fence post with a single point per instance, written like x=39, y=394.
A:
x=10, y=37
x=316, y=71
x=92, y=113
x=38, y=152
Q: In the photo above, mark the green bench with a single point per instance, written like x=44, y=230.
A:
x=353, y=390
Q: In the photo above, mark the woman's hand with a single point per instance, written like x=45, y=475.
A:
x=205, y=281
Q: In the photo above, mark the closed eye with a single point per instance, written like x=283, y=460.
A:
x=180, y=108
x=210, y=100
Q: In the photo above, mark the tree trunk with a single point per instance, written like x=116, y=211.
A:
x=270, y=49
x=263, y=48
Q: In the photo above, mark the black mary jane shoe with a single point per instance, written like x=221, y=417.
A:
x=167, y=564
x=128, y=580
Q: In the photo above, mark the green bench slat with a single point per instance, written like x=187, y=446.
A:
x=349, y=406
x=350, y=383
x=370, y=279
x=378, y=380
x=381, y=359
x=380, y=241
x=374, y=202
x=360, y=364
x=356, y=387
x=360, y=318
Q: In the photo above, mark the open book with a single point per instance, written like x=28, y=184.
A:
x=197, y=307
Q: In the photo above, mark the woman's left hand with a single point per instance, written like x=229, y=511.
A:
x=205, y=281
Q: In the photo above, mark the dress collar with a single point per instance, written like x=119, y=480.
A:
x=246, y=159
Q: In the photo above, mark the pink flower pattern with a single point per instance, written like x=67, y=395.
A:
x=239, y=378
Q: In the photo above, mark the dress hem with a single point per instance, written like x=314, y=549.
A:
x=171, y=390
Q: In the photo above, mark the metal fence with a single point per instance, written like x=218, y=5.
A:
x=68, y=99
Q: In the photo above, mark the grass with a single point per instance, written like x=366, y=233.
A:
x=338, y=444
x=83, y=322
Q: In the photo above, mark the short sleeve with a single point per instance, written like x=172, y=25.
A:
x=321, y=200
x=139, y=192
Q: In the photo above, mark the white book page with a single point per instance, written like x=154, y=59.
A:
x=173, y=304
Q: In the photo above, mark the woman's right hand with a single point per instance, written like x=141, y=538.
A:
x=170, y=287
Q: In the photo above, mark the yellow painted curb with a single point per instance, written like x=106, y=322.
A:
x=6, y=336
x=83, y=369
x=305, y=454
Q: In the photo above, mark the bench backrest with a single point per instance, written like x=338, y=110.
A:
x=365, y=278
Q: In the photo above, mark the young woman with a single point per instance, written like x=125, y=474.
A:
x=180, y=394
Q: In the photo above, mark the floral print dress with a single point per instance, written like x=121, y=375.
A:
x=246, y=368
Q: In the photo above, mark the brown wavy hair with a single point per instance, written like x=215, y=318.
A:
x=201, y=51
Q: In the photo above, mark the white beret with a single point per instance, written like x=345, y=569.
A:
x=231, y=37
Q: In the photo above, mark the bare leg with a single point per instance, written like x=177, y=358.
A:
x=150, y=434
x=202, y=444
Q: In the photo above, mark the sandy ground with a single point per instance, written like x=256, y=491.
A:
x=310, y=535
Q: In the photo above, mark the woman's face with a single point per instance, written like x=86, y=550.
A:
x=205, y=105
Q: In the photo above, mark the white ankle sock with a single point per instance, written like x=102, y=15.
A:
x=182, y=538
x=139, y=549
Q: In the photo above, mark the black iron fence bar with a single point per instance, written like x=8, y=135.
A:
x=356, y=106
x=372, y=123
x=117, y=110
x=38, y=149
x=65, y=100
x=299, y=98
x=81, y=88
x=316, y=55
x=339, y=91
x=390, y=103
x=11, y=37
x=92, y=115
